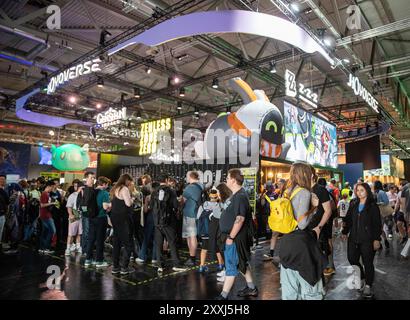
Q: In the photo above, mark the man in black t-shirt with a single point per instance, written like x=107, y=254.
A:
x=4, y=204
x=236, y=229
x=319, y=222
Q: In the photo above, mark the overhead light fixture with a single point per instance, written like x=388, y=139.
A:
x=148, y=70
x=137, y=93
x=329, y=41
x=181, y=57
x=196, y=111
x=98, y=105
x=272, y=67
x=179, y=105
x=345, y=60
x=51, y=133
x=295, y=6
x=139, y=115
x=100, y=82
x=215, y=83
x=126, y=143
x=72, y=99
x=176, y=80
x=182, y=92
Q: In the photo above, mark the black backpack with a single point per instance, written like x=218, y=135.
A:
x=203, y=198
x=160, y=207
x=88, y=199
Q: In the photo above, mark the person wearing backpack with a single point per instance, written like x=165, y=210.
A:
x=192, y=199
x=121, y=204
x=86, y=203
x=208, y=225
x=75, y=228
x=302, y=260
x=164, y=205
x=98, y=224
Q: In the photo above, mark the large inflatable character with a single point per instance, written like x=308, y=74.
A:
x=257, y=126
x=70, y=157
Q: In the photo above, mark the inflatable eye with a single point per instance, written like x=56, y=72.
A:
x=271, y=124
x=62, y=155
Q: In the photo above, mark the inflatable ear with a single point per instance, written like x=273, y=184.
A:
x=260, y=94
x=243, y=89
x=85, y=147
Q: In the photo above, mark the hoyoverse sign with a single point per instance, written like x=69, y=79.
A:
x=111, y=117
x=298, y=90
x=73, y=73
x=360, y=90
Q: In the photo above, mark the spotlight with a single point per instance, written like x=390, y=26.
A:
x=100, y=82
x=196, y=111
x=137, y=93
x=98, y=105
x=126, y=143
x=345, y=60
x=182, y=92
x=139, y=115
x=215, y=83
x=272, y=67
x=148, y=70
x=176, y=80
x=72, y=99
x=329, y=41
x=51, y=133
x=295, y=6
x=179, y=105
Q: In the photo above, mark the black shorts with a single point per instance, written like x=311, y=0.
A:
x=327, y=229
x=214, y=244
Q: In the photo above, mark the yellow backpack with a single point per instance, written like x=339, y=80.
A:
x=281, y=218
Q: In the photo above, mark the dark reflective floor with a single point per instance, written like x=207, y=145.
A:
x=24, y=276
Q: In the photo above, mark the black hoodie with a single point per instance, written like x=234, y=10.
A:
x=365, y=226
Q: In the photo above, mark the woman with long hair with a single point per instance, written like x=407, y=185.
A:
x=302, y=261
x=121, y=204
x=363, y=226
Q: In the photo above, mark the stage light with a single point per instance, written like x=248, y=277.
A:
x=98, y=105
x=179, y=105
x=139, y=115
x=72, y=99
x=196, y=111
x=137, y=93
x=215, y=83
x=100, y=82
x=148, y=70
x=176, y=80
x=272, y=67
x=51, y=133
x=182, y=92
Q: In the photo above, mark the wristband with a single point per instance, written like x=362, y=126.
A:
x=230, y=238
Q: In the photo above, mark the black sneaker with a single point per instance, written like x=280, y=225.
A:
x=125, y=271
x=248, y=292
x=220, y=297
x=190, y=263
x=115, y=270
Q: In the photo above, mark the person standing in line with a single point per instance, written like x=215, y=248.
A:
x=382, y=199
x=4, y=204
x=98, y=225
x=343, y=207
x=363, y=227
x=399, y=216
x=192, y=200
x=236, y=228
x=164, y=205
x=86, y=202
x=121, y=204
x=75, y=228
x=48, y=227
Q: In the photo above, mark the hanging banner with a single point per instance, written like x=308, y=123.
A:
x=111, y=117
x=50, y=175
x=360, y=90
x=299, y=91
x=150, y=133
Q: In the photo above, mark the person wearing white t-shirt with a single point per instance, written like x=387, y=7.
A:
x=343, y=207
x=75, y=228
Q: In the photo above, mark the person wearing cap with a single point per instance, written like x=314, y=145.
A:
x=75, y=227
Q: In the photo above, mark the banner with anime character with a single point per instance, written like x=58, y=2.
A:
x=311, y=139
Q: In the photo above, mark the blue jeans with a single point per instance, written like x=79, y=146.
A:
x=149, y=230
x=49, y=229
x=231, y=260
x=294, y=287
x=84, y=237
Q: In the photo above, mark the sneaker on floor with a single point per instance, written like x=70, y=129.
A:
x=221, y=274
x=93, y=263
x=160, y=270
x=41, y=251
x=189, y=263
x=248, y=292
x=73, y=248
x=47, y=251
x=220, y=279
x=220, y=297
x=115, y=270
x=87, y=263
x=138, y=260
x=203, y=269
x=154, y=261
x=267, y=257
x=79, y=250
x=67, y=252
x=179, y=268
x=102, y=264
x=125, y=271
x=367, y=292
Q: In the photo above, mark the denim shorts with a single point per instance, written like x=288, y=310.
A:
x=231, y=260
x=189, y=227
x=294, y=287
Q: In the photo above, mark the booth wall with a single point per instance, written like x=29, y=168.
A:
x=351, y=172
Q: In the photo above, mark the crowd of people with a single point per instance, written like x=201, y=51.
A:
x=148, y=220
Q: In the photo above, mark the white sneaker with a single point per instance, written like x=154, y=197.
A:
x=154, y=261
x=67, y=252
x=73, y=248
x=220, y=279
x=48, y=251
x=103, y=264
x=138, y=260
x=79, y=250
x=221, y=273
